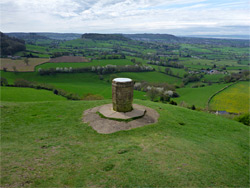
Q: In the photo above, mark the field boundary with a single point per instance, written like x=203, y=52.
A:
x=224, y=88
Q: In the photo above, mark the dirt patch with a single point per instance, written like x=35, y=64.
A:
x=20, y=66
x=107, y=126
x=69, y=59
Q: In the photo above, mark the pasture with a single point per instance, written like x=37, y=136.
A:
x=79, y=83
x=197, y=96
x=235, y=99
x=16, y=94
x=213, y=77
x=153, y=77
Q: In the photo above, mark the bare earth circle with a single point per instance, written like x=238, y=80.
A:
x=107, y=126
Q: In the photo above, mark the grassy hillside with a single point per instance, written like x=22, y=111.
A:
x=235, y=99
x=198, y=96
x=27, y=95
x=46, y=144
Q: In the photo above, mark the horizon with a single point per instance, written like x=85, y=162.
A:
x=177, y=17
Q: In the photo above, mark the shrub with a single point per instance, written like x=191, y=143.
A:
x=4, y=81
x=244, y=118
x=55, y=92
x=22, y=83
x=173, y=103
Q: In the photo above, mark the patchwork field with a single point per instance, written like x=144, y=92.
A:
x=87, y=64
x=20, y=66
x=79, y=83
x=235, y=99
x=197, y=96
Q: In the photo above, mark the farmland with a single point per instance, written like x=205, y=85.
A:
x=86, y=64
x=77, y=83
x=198, y=96
x=13, y=94
x=19, y=64
x=44, y=142
x=235, y=99
x=191, y=79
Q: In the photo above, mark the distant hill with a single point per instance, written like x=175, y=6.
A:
x=97, y=36
x=27, y=36
x=41, y=35
x=11, y=45
x=152, y=37
x=244, y=37
x=61, y=36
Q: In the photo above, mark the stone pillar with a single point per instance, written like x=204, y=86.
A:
x=122, y=94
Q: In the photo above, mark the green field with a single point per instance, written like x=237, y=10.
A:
x=93, y=63
x=213, y=77
x=153, y=77
x=235, y=99
x=197, y=96
x=46, y=144
x=79, y=83
x=27, y=95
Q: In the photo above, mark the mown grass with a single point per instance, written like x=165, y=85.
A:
x=16, y=94
x=46, y=144
x=197, y=96
x=235, y=99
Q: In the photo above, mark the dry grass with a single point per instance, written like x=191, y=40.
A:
x=20, y=66
x=69, y=59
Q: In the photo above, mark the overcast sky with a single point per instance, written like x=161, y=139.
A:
x=179, y=17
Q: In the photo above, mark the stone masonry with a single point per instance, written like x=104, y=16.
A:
x=122, y=94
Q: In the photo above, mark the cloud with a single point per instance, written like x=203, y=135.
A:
x=126, y=16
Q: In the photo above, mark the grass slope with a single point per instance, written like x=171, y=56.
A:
x=46, y=144
x=197, y=96
x=234, y=99
x=27, y=95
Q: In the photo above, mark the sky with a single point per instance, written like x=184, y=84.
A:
x=178, y=17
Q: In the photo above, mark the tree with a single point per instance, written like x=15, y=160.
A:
x=26, y=61
x=55, y=92
x=159, y=69
x=3, y=81
x=14, y=69
x=167, y=70
x=152, y=94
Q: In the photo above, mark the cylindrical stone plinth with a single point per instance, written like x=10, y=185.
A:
x=122, y=94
